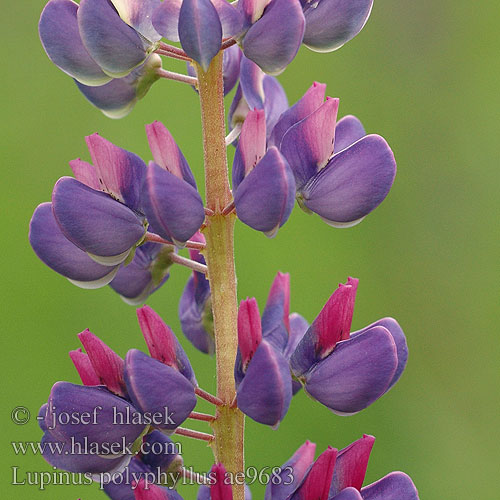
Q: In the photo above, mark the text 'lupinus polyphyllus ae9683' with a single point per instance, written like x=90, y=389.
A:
x=124, y=222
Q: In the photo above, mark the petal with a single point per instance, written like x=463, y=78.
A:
x=354, y=182
x=394, y=486
x=252, y=83
x=249, y=329
x=298, y=327
x=58, y=30
x=166, y=19
x=94, y=221
x=347, y=131
x=84, y=367
x=147, y=491
x=274, y=40
x=331, y=23
x=350, y=468
x=317, y=482
x=200, y=31
x=85, y=173
x=265, y=393
x=118, y=97
x=253, y=9
x=120, y=172
x=195, y=315
x=173, y=398
x=264, y=199
x=138, y=14
x=231, y=67
x=172, y=206
x=108, y=366
x=292, y=473
x=160, y=452
x=399, y=338
x=162, y=342
x=348, y=494
x=356, y=373
x=230, y=18
x=277, y=308
x=275, y=103
x=111, y=42
x=57, y=252
x=166, y=153
x=119, y=487
x=221, y=489
x=308, y=144
x=307, y=104
x=251, y=146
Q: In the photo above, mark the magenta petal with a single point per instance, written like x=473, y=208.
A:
x=58, y=29
x=84, y=367
x=266, y=390
x=274, y=40
x=148, y=491
x=172, y=206
x=292, y=473
x=95, y=222
x=356, y=373
x=354, y=182
x=394, y=486
x=57, y=252
x=166, y=152
x=264, y=199
x=308, y=145
x=249, y=330
x=307, y=104
x=166, y=19
x=350, y=468
x=200, y=31
x=85, y=173
x=120, y=172
x=251, y=146
x=331, y=23
x=221, y=488
x=107, y=365
x=347, y=131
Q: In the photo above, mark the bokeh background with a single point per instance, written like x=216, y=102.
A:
x=425, y=76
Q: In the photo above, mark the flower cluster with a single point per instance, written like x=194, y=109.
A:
x=280, y=353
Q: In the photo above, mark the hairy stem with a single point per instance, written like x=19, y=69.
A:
x=219, y=253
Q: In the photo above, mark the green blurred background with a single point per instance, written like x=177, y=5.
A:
x=422, y=74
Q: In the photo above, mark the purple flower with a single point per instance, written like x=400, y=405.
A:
x=341, y=173
x=101, y=40
x=144, y=491
x=348, y=372
x=262, y=373
x=263, y=183
x=195, y=306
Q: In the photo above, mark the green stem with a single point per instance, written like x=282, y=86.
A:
x=228, y=427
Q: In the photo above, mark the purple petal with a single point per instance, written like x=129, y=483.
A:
x=147, y=272
x=308, y=145
x=252, y=83
x=175, y=392
x=85, y=173
x=172, y=206
x=348, y=494
x=277, y=308
x=195, y=315
x=356, y=373
x=307, y=104
x=347, y=131
x=162, y=342
x=107, y=365
x=160, y=452
x=231, y=67
x=166, y=152
x=253, y=9
x=200, y=31
x=275, y=103
x=58, y=29
x=57, y=252
x=120, y=172
x=331, y=23
x=265, y=198
x=230, y=18
x=251, y=146
x=292, y=473
x=138, y=14
x=298, y=327
x=399, y=338
x=394, y=486
x=354, y=182
x=117, y=98
x=166, y=19
x=274, y=40
x=350, y=468
x=119, y=487
x=265, y=392
x=94, y=221
x=111, y=42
